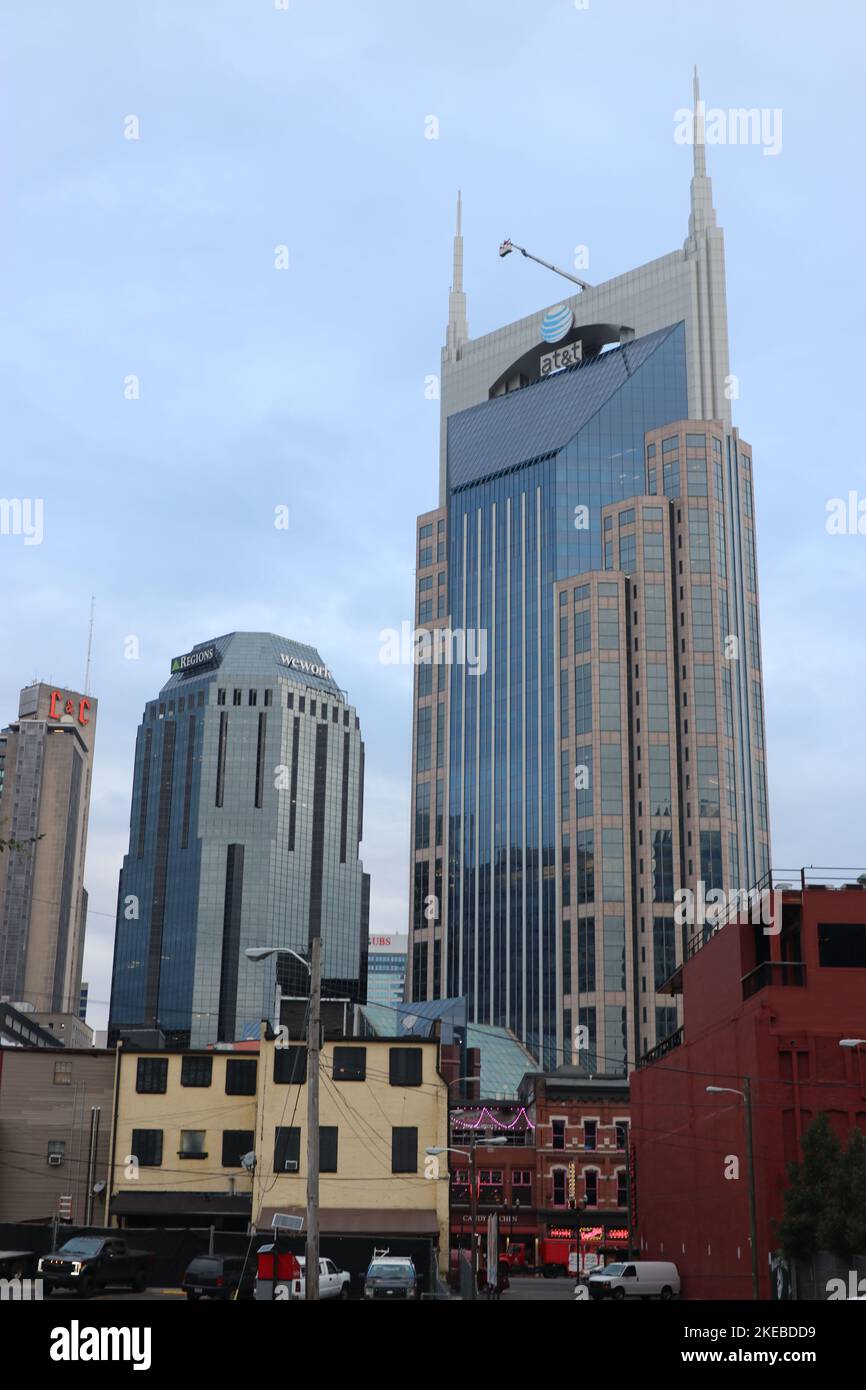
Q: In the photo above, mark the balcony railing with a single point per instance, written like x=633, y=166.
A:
x=666, y=1045
x=774, y=973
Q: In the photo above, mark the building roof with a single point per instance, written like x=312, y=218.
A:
x=536, y=421
x=504, y=1059
x=262, y=655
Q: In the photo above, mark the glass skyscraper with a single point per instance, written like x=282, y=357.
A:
x=594, y=549
x=247, y=817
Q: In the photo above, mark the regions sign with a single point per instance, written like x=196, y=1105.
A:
x=200, y=659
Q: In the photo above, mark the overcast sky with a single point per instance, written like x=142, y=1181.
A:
x=307, y=127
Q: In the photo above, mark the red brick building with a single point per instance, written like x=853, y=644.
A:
x=767, y=1003
x=563, y=1170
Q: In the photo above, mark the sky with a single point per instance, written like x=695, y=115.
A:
x=166, y=383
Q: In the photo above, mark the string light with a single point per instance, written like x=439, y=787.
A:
x=497, y=1123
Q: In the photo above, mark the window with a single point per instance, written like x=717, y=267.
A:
x=62, y=1073
x=560, y=1187
x=664, y=950
x=147, y=1147
x=196, y=1071
x=558, y=1127
x=236, y=1143
x=236, y=697
x=192, y=1144
x=405, y=1064
x=404, y=1149
x=590, y=1131
x=621, y=1128
x=842, y=945
x=490, y=1186
x=705, y=700
x=350, y=1064
x=240, y=1077
x=151, y=1077
x=521, y=1187
x=287, y=1149
x=290, y=1066
x=621, y=1187
x=57, y=1151
x=590, y=1178
x=327, y=1148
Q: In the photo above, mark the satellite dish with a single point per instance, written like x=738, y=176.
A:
x=248, y=1161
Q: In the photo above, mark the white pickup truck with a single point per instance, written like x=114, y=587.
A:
x=333, y=1283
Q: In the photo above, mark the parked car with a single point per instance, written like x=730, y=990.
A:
x=391, y=1276
x=88, y=1263
x=219, y=1276
x=333, y=1282
x=635, y=1279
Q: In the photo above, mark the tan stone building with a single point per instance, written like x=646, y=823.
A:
x=49, y=1099
x=184, y=1121
x=382, y=1103
x=46, y=760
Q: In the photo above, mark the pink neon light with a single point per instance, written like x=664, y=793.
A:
x=498, y=1124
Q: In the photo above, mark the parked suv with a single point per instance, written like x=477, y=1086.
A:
x=391, y=1276
x=218, y=1276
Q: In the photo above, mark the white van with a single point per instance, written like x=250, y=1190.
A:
x=635, y=1279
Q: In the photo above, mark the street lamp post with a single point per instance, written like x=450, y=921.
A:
x=314, y=967
x=473, y=1197
x=746, y=1096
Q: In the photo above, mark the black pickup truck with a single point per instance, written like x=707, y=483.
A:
x=88, y=1263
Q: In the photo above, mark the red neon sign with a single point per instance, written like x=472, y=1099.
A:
x=81, y=714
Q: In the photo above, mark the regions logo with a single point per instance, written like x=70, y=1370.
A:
x=556, y=323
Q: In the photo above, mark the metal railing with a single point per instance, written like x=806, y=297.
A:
x=774, y=972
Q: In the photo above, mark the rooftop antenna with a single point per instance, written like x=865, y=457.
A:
x=89, y=647
x=508, y=246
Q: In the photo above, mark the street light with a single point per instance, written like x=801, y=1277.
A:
x=473, y=1198
x=746, y=1096
x=314, y=967
x=260, y=953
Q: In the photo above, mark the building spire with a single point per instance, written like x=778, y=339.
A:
x=458, y=327
x=703, y=214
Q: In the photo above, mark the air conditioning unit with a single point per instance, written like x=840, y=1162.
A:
x=55, y=1160
x=291, y=1165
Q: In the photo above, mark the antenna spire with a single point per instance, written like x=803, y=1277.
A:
x=458, y=326
x=703, y=214
x=89, y=646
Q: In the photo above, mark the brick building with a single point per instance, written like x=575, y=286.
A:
x=563, y=1169
x=767, y=1002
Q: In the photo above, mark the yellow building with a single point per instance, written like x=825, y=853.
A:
x=182, y=1123
x=382, y=1103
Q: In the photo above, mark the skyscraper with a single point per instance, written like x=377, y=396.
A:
x=46, y=759
x=594, y=547
x=247, y=816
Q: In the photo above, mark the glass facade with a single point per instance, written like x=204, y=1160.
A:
x=247, y=815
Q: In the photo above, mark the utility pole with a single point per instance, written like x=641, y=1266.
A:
x=750, y=1159
x=95, y=1113
x=313, y=1045
x=473, y=1215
